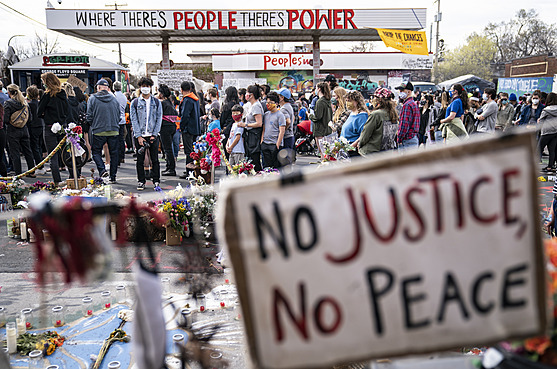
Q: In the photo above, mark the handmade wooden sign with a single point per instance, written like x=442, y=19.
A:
x=389, y=256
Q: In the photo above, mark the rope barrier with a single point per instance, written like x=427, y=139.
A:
x=32, y=170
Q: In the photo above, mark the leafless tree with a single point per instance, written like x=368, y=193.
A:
x=524, y=35
x=40, y=45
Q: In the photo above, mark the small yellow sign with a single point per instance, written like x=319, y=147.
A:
x=409, y=42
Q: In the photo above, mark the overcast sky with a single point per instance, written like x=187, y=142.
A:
x=460, y=18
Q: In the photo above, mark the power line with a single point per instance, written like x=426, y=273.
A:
x=57, y=33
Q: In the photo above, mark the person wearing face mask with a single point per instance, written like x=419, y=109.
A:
x=146, y=118
x=254, y=126
x=505, y=114
x=168, y=129
x=190, y=126
x=340, y=114
x=378, y=133
x=409, y=120
x=548, y=134
x=531, y=113
x=274, y=128
x=352, y=129
x=488, y=117
x=323, y=114
x=235, y=144
x=452, y=128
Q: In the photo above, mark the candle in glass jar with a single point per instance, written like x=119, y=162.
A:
x=2, y=317
x=27, y=317
x=87, y=306
x=21, y=326
x=11, y=337
x=23, y=230
x=106, y=299
x=58, y=316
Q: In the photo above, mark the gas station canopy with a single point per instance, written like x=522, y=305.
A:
x=143, y=26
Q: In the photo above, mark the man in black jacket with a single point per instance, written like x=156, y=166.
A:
x=189, y=121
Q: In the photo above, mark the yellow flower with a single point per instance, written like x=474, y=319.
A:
x=51, y=348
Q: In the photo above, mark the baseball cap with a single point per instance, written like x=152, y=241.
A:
x=405, y=86
x=102, y=82
x=330, y=78
x=285, y=92
x=512, y=97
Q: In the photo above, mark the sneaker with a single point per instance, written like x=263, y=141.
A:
x=112, y=180
x=140, y=186
x=104, y=174
x=40, y=172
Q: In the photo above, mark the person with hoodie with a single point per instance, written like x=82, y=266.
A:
x=548, y=137
x=323, y=114
x=530, y=113
x=53, y=108
x=189, y=120
x=35, y=126
x=18, y=137
x=103, y=114
x=505, y=115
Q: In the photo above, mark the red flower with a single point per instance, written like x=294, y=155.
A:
x=194, y=155
x=77, y=129
x=537, y=344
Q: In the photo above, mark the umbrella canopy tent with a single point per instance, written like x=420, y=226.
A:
x=470, y=83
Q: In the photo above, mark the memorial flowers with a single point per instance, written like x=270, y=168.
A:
x=244, y=167
x=337, y=150
x=179, y=214
x=47, y=342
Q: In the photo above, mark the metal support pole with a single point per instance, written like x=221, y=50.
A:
x=316, y=59
x=165, y=53
x=437, y=37
x=74, y=167
x=120, y=52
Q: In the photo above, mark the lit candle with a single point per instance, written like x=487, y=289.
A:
x=11, y=335
x=113, y=231
x=23, y=230
x=222, y=304
x=202, y=308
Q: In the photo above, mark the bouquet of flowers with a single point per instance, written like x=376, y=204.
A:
x=41, y=186
x=207, y=150
x=337, y=150
x=244, y=167
x=179, y=214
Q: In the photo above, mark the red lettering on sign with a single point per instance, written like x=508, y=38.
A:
x=46, y=59
x=220, y=21
x=357, y=234
x=293, y=16
x=302, y=19
x=266, y=59
x=320, y=18
x=195, y=16
x=474, y=202
x=336, y=19
x=348, y=15
x=178, y=17
x=300, y=322
x=211, y=16
x=187, y=20
x=231, y=20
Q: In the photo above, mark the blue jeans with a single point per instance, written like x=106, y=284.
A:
x=438, y=137
x=176, y=142
x=408, y=144
x=96, y=149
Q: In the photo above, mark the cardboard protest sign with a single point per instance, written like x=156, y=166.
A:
x=174, y=78
x=74, y=81
x=389, y=256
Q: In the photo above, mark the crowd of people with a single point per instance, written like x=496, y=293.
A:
x=258, y=125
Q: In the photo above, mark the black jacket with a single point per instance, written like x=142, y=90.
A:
x=10, y=107
x=34, y=120
x=168, y=110
x=54, y=109
x=74, y=108
x=226, y=120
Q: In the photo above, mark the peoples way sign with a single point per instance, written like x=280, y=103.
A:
x=389, y=256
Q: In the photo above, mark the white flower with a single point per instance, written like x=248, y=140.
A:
x=56, y=127
x=126, y=315
x=72, y=125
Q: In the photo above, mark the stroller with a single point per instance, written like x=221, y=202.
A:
x=305, y=142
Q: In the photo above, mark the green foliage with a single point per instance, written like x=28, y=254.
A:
x=474, y=58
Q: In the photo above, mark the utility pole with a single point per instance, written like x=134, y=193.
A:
x=116, y=5
x=437, y=20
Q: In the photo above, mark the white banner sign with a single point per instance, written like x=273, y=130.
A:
x=386, y=257
x=174, y=78
x=242, y=82
x=329, y=61
x=219, y=20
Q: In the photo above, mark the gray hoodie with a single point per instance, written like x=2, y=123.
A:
x=548, y=120
x=103, y=113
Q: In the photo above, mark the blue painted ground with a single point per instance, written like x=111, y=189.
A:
x=85, y=337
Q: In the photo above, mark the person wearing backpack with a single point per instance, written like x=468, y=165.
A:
x=146, y=117
x=35, y=126
x=16, y=114
x=53, y=108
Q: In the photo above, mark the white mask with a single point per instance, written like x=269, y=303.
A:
x=145, y=90
x=484, y=96
x=403, y=95
x=535, y=101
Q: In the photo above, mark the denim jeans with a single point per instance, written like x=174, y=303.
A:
x=176, y=142
x=408, y=144
x=97, y=147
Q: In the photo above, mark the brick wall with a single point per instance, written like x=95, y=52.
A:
x=534, y=66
